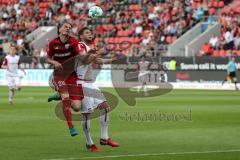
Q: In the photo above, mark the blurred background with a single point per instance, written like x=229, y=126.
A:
x=198, y=35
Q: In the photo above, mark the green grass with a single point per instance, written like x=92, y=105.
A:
x=29, y=130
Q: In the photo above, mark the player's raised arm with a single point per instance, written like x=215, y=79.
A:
x=105, y=61
x=90, y=56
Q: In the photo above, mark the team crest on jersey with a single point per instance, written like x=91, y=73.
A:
x=67, y=46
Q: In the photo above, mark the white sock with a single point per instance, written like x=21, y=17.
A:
x=140, y=88
x=86, y=128
x=145, y=89
x=104, y=123
x=10, y=95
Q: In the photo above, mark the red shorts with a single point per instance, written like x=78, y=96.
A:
x=68, y=86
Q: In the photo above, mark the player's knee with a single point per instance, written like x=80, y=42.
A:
x=65, y=96
x=104, y=106
x=76, y=106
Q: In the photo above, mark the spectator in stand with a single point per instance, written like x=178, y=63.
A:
x=198, y=14
x=170, y=18
x=206, y=49
x=214, y=42
x=139, y=30
x=172, y=29
x=237, y=41
x=228, y=35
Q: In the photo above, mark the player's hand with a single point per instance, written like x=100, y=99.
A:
x=114, y=57
x=101, y=51
x=57, y=65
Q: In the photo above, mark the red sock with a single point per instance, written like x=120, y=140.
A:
x=67, y=112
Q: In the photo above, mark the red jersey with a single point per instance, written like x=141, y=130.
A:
x=64, y=53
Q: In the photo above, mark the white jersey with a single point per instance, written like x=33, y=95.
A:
x=93, y=96
x=12, y=63
x=143, y=67
x=84, y=71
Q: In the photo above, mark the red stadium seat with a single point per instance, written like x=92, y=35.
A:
x=222, y=52
x=194, y=4
x=174, y=38
x=221, y=4
x=211, y=4
x=138, y=7
x=237, y=10
x=4, y=1
x=138, y=13
x=137, y=40
x=215, y=53
x=169, y=39
x=120, y=33
x=117, y=40
x=215, y=4
x=211, y=11
x=131, y=7
x=119, y=26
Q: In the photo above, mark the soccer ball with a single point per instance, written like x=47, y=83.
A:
x=95, y=12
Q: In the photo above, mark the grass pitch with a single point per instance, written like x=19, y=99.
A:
x=31, y=131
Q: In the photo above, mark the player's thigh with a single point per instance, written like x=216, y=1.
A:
x=17, y=81
x=76, y=103
x=103, y=105
x=143, y=78
x=61, y=87
x=10, y=82
x=97, y=97
x=87, y=105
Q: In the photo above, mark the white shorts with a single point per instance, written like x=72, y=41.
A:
x=93, y=97
x=143, y=77
x=13, y=81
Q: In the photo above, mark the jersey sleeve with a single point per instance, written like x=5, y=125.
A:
x=81, y=48
x=77, y=49
x=5, y=61
x=50, y=49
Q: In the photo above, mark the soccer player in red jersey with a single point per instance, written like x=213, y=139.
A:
x=61, y=54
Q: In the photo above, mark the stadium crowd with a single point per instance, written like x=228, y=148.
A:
x=147, y=24
x=228, y=43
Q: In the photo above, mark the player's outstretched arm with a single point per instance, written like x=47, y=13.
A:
x=105, y=61
x=91, y=56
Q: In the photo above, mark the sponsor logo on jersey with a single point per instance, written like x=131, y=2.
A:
x=67, y=46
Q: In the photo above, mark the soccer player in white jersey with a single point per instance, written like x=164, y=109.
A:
x=143, y=75
x=93, y=97
x=11, y=64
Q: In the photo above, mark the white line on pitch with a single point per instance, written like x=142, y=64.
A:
x=142, y=155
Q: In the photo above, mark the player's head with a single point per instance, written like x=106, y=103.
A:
x=65, y=29
x=86, y=35
x=233, y=58
x=143, y=57
x=13, y=49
